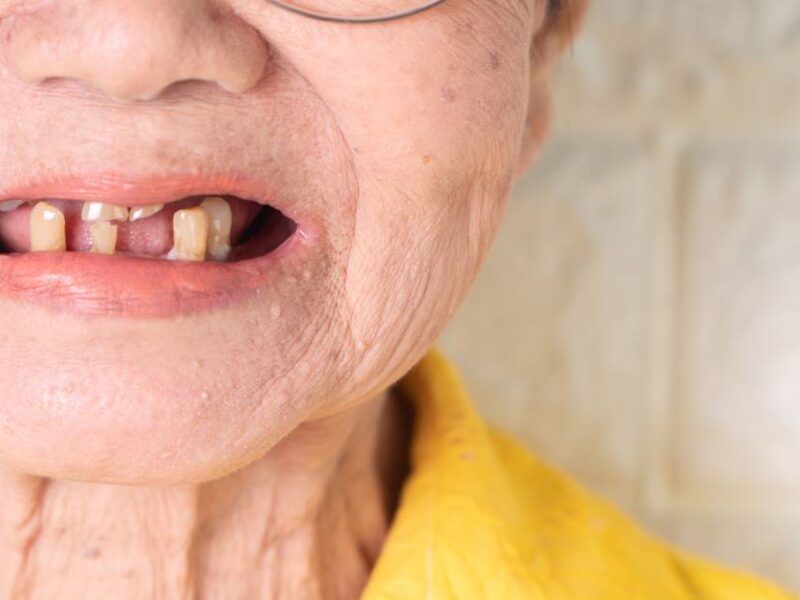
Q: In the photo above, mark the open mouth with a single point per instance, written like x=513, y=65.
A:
x=126, y=248
x=196, y=228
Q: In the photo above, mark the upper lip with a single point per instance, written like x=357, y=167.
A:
x=131, y=190
x=127, y=190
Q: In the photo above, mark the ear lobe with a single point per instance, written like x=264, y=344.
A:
x=537, y=124
x=559, y=29
x=554, y=36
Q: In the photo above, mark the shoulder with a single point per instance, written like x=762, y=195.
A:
x=482, y=517
x=601, y=553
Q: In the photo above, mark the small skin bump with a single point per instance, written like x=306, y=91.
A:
x=494, y=60
x=449, y=94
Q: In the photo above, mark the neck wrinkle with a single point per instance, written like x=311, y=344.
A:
x=305, y=521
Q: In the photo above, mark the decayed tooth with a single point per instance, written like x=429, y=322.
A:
x=142, y=212
x=10, y=205
x=100, y=211
x=47, y=226
x=104, y=237
x=220, y=220
x=190, y=230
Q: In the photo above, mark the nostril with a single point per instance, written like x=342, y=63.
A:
x=133, y=50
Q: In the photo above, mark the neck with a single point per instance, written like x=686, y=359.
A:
x=305, y=521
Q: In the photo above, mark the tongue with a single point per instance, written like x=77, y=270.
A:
x=150, y=236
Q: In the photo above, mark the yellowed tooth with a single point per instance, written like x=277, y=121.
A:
x=220, y=221
x=47, y=228
x=100, y=211
x=142, y=212
x=104, y=237
x=190, y=232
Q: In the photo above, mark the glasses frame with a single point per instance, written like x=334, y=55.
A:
x=320, y=16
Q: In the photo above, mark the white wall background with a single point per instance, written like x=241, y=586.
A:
x=638, y=322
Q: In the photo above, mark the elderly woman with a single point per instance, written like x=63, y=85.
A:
x=230, y=232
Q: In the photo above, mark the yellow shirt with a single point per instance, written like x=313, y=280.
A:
x=482, y=518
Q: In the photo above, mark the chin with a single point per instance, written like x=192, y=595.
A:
x=148, y=399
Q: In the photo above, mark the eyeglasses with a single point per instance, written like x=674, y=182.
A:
x=356, y=11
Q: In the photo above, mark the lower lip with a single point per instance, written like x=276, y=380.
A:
x=89, y=285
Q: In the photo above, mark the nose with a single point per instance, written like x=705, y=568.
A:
x=132, y=49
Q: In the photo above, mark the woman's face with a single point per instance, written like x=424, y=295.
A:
x=391, y=147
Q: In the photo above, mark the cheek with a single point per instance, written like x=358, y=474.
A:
x=414, y=257
x=432, y=112
x=435, y=162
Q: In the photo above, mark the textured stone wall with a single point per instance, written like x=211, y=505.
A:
x=638, y=321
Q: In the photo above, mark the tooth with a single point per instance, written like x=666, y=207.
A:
x=142, y=212
x=10, y=205
x=100, y=211
x=220, y=220
x=190, y=230
x=47, y=227
x=104, y=237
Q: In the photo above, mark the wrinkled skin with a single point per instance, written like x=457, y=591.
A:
x=399, y=142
